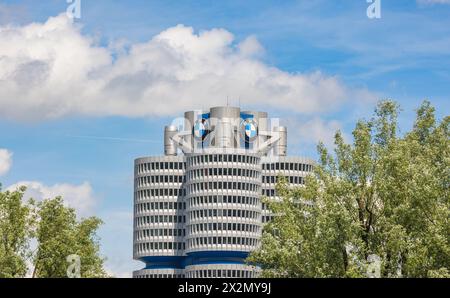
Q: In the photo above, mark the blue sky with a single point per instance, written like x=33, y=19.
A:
x=90, y=127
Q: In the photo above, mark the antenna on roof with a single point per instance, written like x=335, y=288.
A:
x=227, y=102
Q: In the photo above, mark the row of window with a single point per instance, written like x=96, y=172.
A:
x=201, y=241
x=150, y=180
x=206, y=172
x=220, y=185
x=147, y=180
x=212, y=273
x=202, y=159
x=205, y=227
x=201, y=173
x=159, y=233
x=146, y=207
x=201, y=214
x=160, y=276
x=288, y=166
x=205, y=274
x=201, y=200
x=243, y=186
x=269, y=192
x=145, y=220
x=162, y=165
x=290, y=179
x=147, y=246
x=160, y=192
x=195, y=201
x=266, y=219
x=197, y=228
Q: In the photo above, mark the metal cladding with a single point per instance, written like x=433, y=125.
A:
x=189, y=119
x=200, y=213
x=261, y=118
x=170, y=149
x=280, y=148
x=223, y=121
x=230, y=128
x=228, y=178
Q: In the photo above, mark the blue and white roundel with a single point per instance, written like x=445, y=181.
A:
x=200, y=129
x=249, y=129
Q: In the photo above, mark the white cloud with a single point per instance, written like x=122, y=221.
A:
x=80, y=197
x=5, y=161
x=315, y=130
x=50, y=70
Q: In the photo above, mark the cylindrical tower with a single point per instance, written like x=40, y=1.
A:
x=159, y=216
x=280, y=148
x=223, y=213
x=199, y=213
x=169, y=146
x=224, y=121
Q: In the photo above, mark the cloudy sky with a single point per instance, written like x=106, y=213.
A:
x=80, y=99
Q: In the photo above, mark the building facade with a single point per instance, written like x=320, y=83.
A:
x=197, y=209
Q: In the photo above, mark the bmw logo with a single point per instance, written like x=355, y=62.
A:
x=249, y=130
x=200, y=129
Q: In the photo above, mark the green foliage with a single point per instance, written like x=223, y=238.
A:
x=57, y=234
x=383, y=195
x=15, y=228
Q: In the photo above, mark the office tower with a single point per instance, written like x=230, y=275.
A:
x=198, y=209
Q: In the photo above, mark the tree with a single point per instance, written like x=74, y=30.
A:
x=15, y=229
x=383, y=196
x=57, y=234
x=60, y=235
